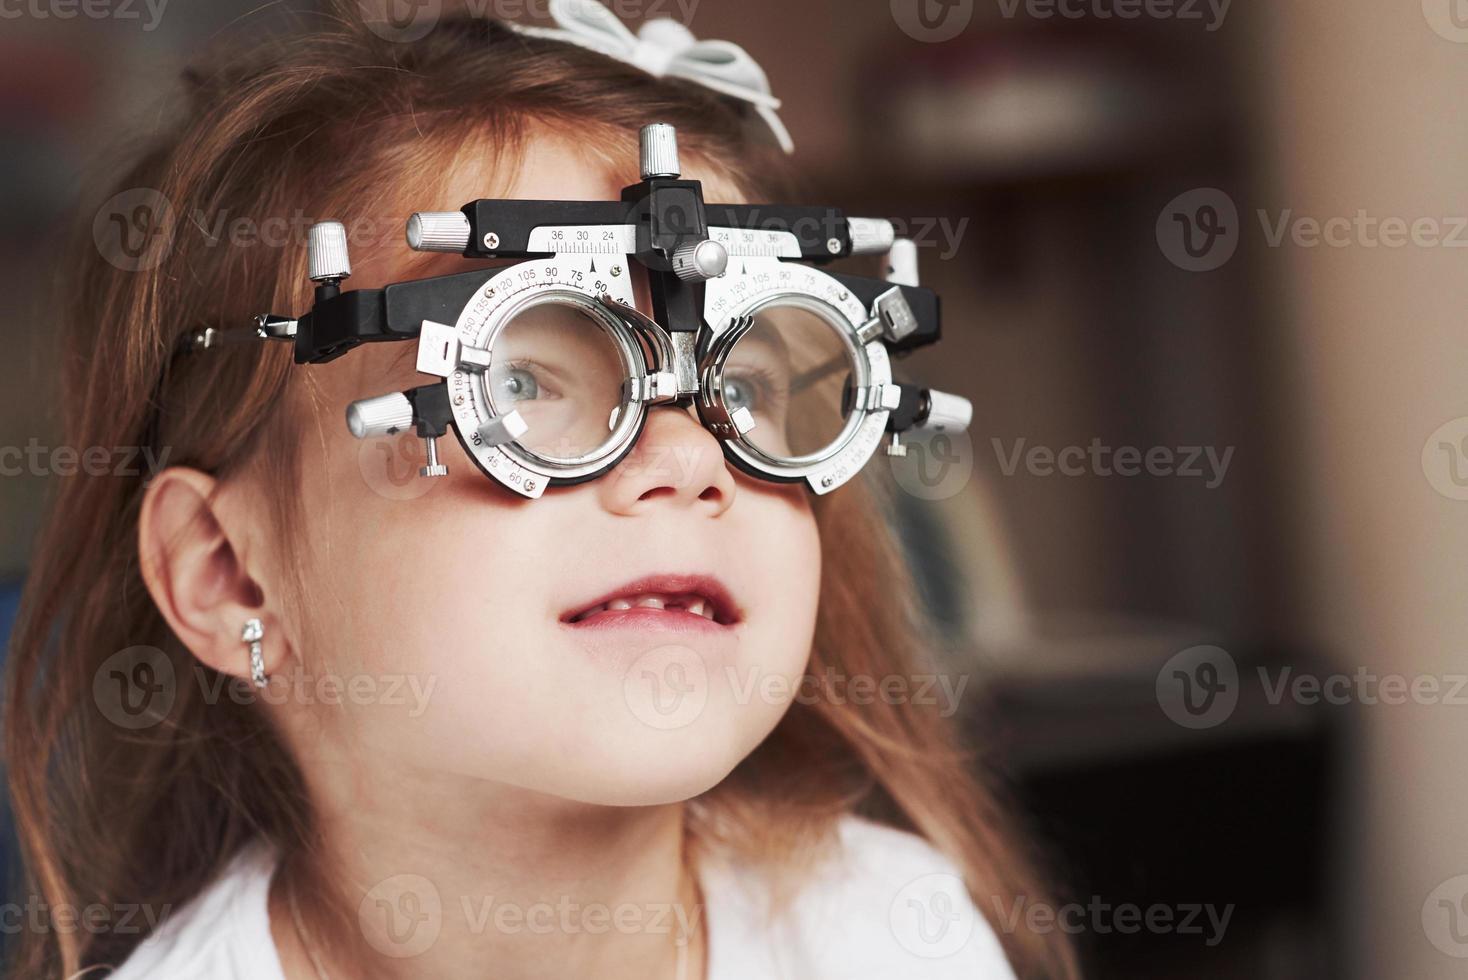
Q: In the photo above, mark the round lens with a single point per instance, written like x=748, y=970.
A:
x=563, y=370
x=794, y=371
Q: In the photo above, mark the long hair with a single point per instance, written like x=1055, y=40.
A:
x=333, y=122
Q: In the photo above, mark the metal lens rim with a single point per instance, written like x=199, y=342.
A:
x=797, y=466
x=632, y=362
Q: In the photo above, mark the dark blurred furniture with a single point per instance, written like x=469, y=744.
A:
x=1138, y=810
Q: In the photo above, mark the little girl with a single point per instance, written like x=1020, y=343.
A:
x=473, y=754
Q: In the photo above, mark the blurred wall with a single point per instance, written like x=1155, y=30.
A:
x=1367, y=113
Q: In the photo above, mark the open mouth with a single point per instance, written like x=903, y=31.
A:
x=666, y=595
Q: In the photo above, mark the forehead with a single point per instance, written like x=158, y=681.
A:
x=553, y=166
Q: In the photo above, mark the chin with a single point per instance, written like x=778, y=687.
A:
x=672, y=768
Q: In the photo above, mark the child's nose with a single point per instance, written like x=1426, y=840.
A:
x=676, y=461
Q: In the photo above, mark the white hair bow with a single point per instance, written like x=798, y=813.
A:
x=665, y=48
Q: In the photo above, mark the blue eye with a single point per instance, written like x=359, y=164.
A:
x=517, y=384
x=739, y=393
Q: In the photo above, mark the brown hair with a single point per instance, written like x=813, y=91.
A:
x=269, y=133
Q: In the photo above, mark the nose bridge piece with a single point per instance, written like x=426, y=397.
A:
x=673, y=378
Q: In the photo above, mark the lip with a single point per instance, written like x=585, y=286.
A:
x=726, y=611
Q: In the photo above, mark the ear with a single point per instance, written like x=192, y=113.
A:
x=196, y=575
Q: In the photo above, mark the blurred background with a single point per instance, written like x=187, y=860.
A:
x=1196, y=551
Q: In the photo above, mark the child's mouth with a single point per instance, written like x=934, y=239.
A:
x=691, y=603
x=660, y=601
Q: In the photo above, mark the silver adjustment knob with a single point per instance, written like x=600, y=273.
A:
x=433, y=467
x=326, y=250
x=385, y=415
x=660, y=151
x=870, y=236
x=700, y=261
x=947, y=413
x=902, y=263
x=268, y=325
x=438, y=231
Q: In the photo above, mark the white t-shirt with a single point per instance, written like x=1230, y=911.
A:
x=890, y=907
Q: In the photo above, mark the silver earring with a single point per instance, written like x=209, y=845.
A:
x=253, y=633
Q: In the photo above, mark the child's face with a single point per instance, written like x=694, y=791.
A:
x=465, y=589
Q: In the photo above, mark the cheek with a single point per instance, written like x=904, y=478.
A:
x=450, y=598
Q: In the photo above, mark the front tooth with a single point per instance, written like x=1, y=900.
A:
x=619, y=604
x=695, y=606
x=708, y=611
x=650, y=602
